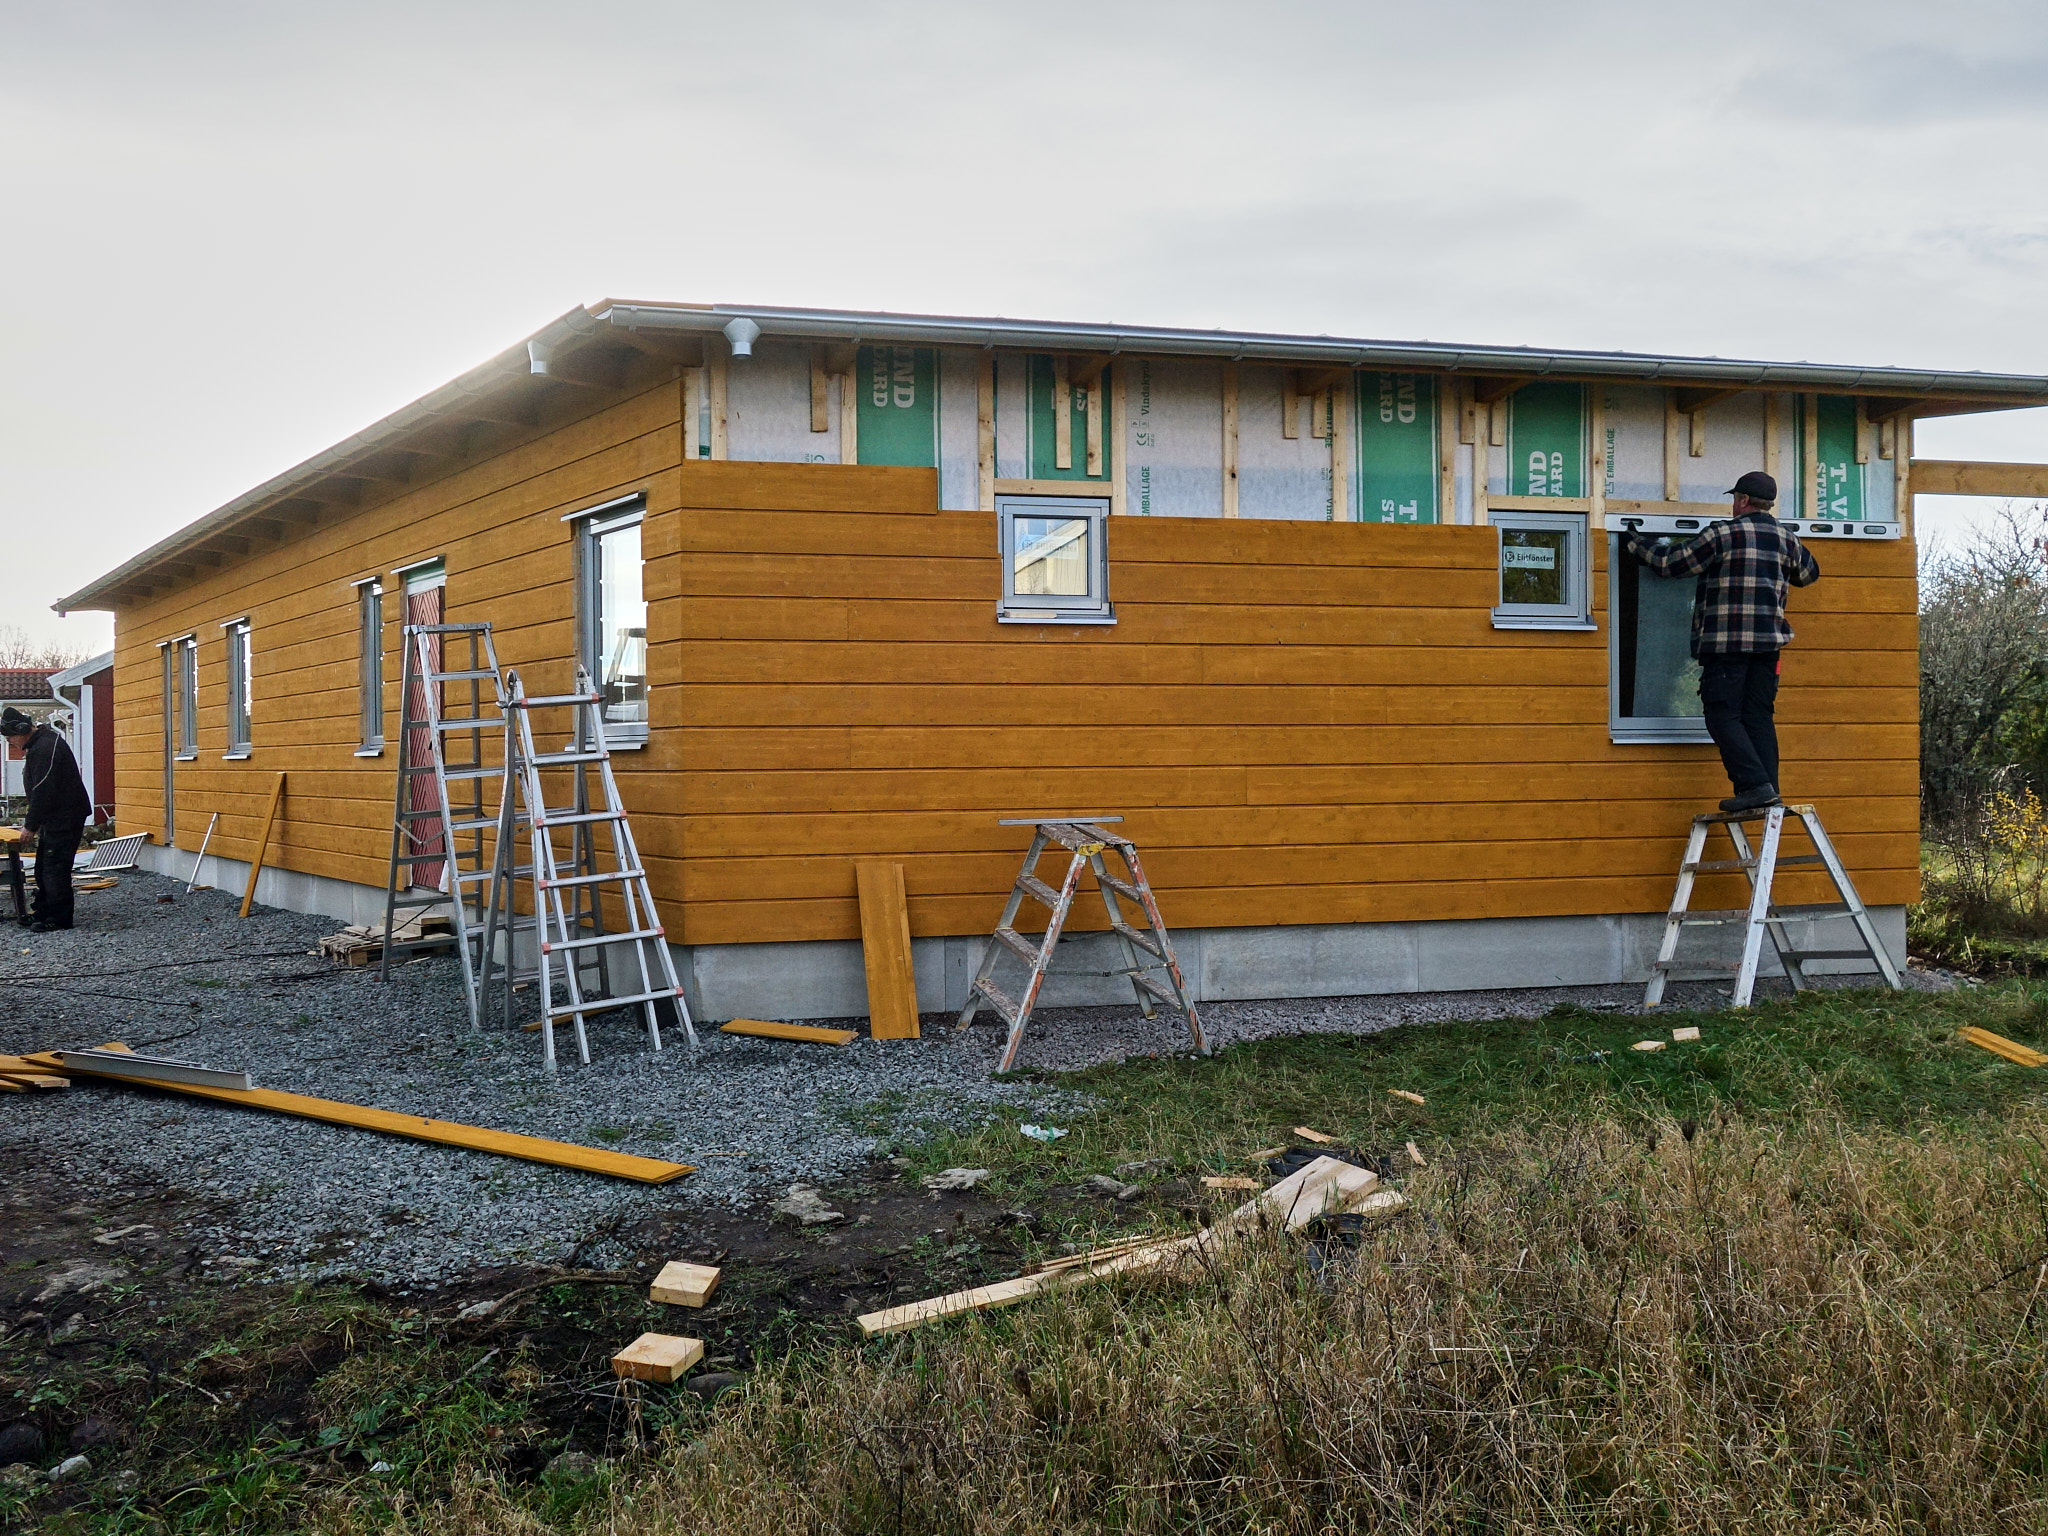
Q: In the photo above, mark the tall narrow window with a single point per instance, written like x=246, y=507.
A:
x=614, y=617
x=370, y=664
x=188, y=696
x=240, y=656
x=1653, y=681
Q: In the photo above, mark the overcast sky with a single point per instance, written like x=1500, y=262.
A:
x=237, y=233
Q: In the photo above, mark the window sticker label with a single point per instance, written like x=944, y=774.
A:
x=1397, y=468
x=896, y=396
x=1546, y=440
x=1528, y=558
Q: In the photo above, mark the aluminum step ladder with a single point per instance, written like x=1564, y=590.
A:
x=1761, y=865
x=1086, y=842
x=451, y=767
x=570, y=792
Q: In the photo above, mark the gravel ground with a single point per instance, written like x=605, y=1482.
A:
x=298, y=1199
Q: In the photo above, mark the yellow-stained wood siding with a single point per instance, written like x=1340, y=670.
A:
x=1301, y=722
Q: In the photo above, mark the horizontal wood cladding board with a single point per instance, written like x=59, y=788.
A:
x=1262, y=906
x=841, y=489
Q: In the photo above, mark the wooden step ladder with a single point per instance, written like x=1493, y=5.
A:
x=1760, y=865
x=568, y=884
x=1086, y=842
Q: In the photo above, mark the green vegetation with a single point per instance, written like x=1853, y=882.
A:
x=1786, y=1278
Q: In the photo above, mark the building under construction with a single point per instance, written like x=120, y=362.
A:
x=1335, y=625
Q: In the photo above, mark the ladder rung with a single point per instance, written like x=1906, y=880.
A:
x=462, y=677
x=1159, y=990
x=597, y=879
x=1123, y=888
x=1707, y=967
x=478, y=724
x=553, y=759
x=536, y=701
x=439, y=900
x=1706, y=922
x=424, y=858
x=1801, y=956
x=628, y=936
x=997, y=999
x=1023, y=947
x=581, y=818
x=472, y=773
x=1140, y=937
x=606, y=1004
x=1839, y=915
x=1047, y=896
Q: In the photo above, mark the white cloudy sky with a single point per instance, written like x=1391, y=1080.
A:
x=234, y=233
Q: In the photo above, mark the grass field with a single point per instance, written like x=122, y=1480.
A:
x=1787, y=1278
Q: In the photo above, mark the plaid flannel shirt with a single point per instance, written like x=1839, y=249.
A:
x=1744, y=566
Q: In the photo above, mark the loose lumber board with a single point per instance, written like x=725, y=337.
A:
x=1228, y=1181
x=42, y=1080
x=1403, y=1093
x=1315, y=1136
x=885, y=947
x=682, y=1284
x=657, y=1357
x=262, y=846
x=532, y=1149
x=2011, y=1050
x=769, y=1029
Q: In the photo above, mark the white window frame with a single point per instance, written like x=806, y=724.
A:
x=186, y=653
x=1046, y=608
x=592, y=525
x=370, y=666
x=240, y=642
x=1573, y=613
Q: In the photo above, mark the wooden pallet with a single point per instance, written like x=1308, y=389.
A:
x=359, y=944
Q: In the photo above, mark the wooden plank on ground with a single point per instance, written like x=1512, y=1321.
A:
x=2011, y=1050
x=1316, y=1136
x=532, y=1149
x=657, y=1357
x=42, y=1080
x=770, y=1029
x=885, y=946
x=683, y=1284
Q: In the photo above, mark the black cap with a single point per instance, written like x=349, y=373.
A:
x=14, y=723
x=1756, y=485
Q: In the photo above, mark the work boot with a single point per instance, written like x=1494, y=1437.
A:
x=1752, y=799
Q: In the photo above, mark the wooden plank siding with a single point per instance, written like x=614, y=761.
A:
x=1302, y=722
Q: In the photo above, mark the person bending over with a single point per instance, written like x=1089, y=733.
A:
x=57, y=808
x=1738, y=628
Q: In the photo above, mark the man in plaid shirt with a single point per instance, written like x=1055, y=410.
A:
x=1738, y=628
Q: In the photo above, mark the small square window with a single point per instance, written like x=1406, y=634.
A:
x=1542, y=571
x=1055, y=560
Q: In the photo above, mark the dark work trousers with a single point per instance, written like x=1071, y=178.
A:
x=56, y=847
x=1739, y=696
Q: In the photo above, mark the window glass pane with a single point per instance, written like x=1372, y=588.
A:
x=621, y=626
x=1658, y=678
x=1533, y=565
x=188, y=697
x=371, y=678
x=1052, y=556
x=239, y=704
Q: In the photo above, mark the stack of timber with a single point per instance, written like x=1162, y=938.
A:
x=1326, y=1187
x=20, y=1075
x=360, y=943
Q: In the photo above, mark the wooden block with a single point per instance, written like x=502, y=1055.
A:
x=1415, y=1156
x=1315, y=1136
x=769, y=1029
x=684, y=1285
x=657, y=1357
x=1228, y=1181
x=1403, y=1093
x=1647, y=1045
x=1686, y=1032
x=885, y=946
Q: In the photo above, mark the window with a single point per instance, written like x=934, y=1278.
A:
x=370, y=665
x=614, y=616
x=1542, y=571
x=236, y=632
x=1653, y=681
x=1055, y=560
x=188, y=695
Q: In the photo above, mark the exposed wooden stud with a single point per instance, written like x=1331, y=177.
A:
x=1497, y=424
x=849, y=413
x=1903, y=489
x=1120, y=440
x=1341, y=423
x=1863, y=434
x=821, y=392
x=1774, y=433
x=1446, y=449
x=1887, y=434
x=1696, y=435
x=1230, y=439
x=1596, y=461
x=1062, y=416
x=1482, y=456
x=985, y=432
x=1673, y=423
x=715, y=368
x=1081, y=488
x=1813, y=497
x=693, y=413
x=1094, y=425
x=1290, y=406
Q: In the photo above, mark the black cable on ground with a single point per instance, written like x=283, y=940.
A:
x=134, y=970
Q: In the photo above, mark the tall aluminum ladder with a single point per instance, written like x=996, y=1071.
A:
x=1760, y=865
x=1086, y=842
x=451, y=767
x=602, y=859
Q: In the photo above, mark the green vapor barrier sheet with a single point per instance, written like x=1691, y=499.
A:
x=896, y=396
x=1396, y=479
x=1546, y=439
x=1837, y=491
x=1040, y=424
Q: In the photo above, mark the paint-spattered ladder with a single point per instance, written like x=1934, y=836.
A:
x=1760, y=865
x=1156, y=980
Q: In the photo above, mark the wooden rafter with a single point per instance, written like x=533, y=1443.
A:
x=1085, y=368
x=1690, y=402
x=1485, y=391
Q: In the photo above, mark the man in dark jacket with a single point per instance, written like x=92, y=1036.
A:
x=58, y=806
x=1738, y=627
